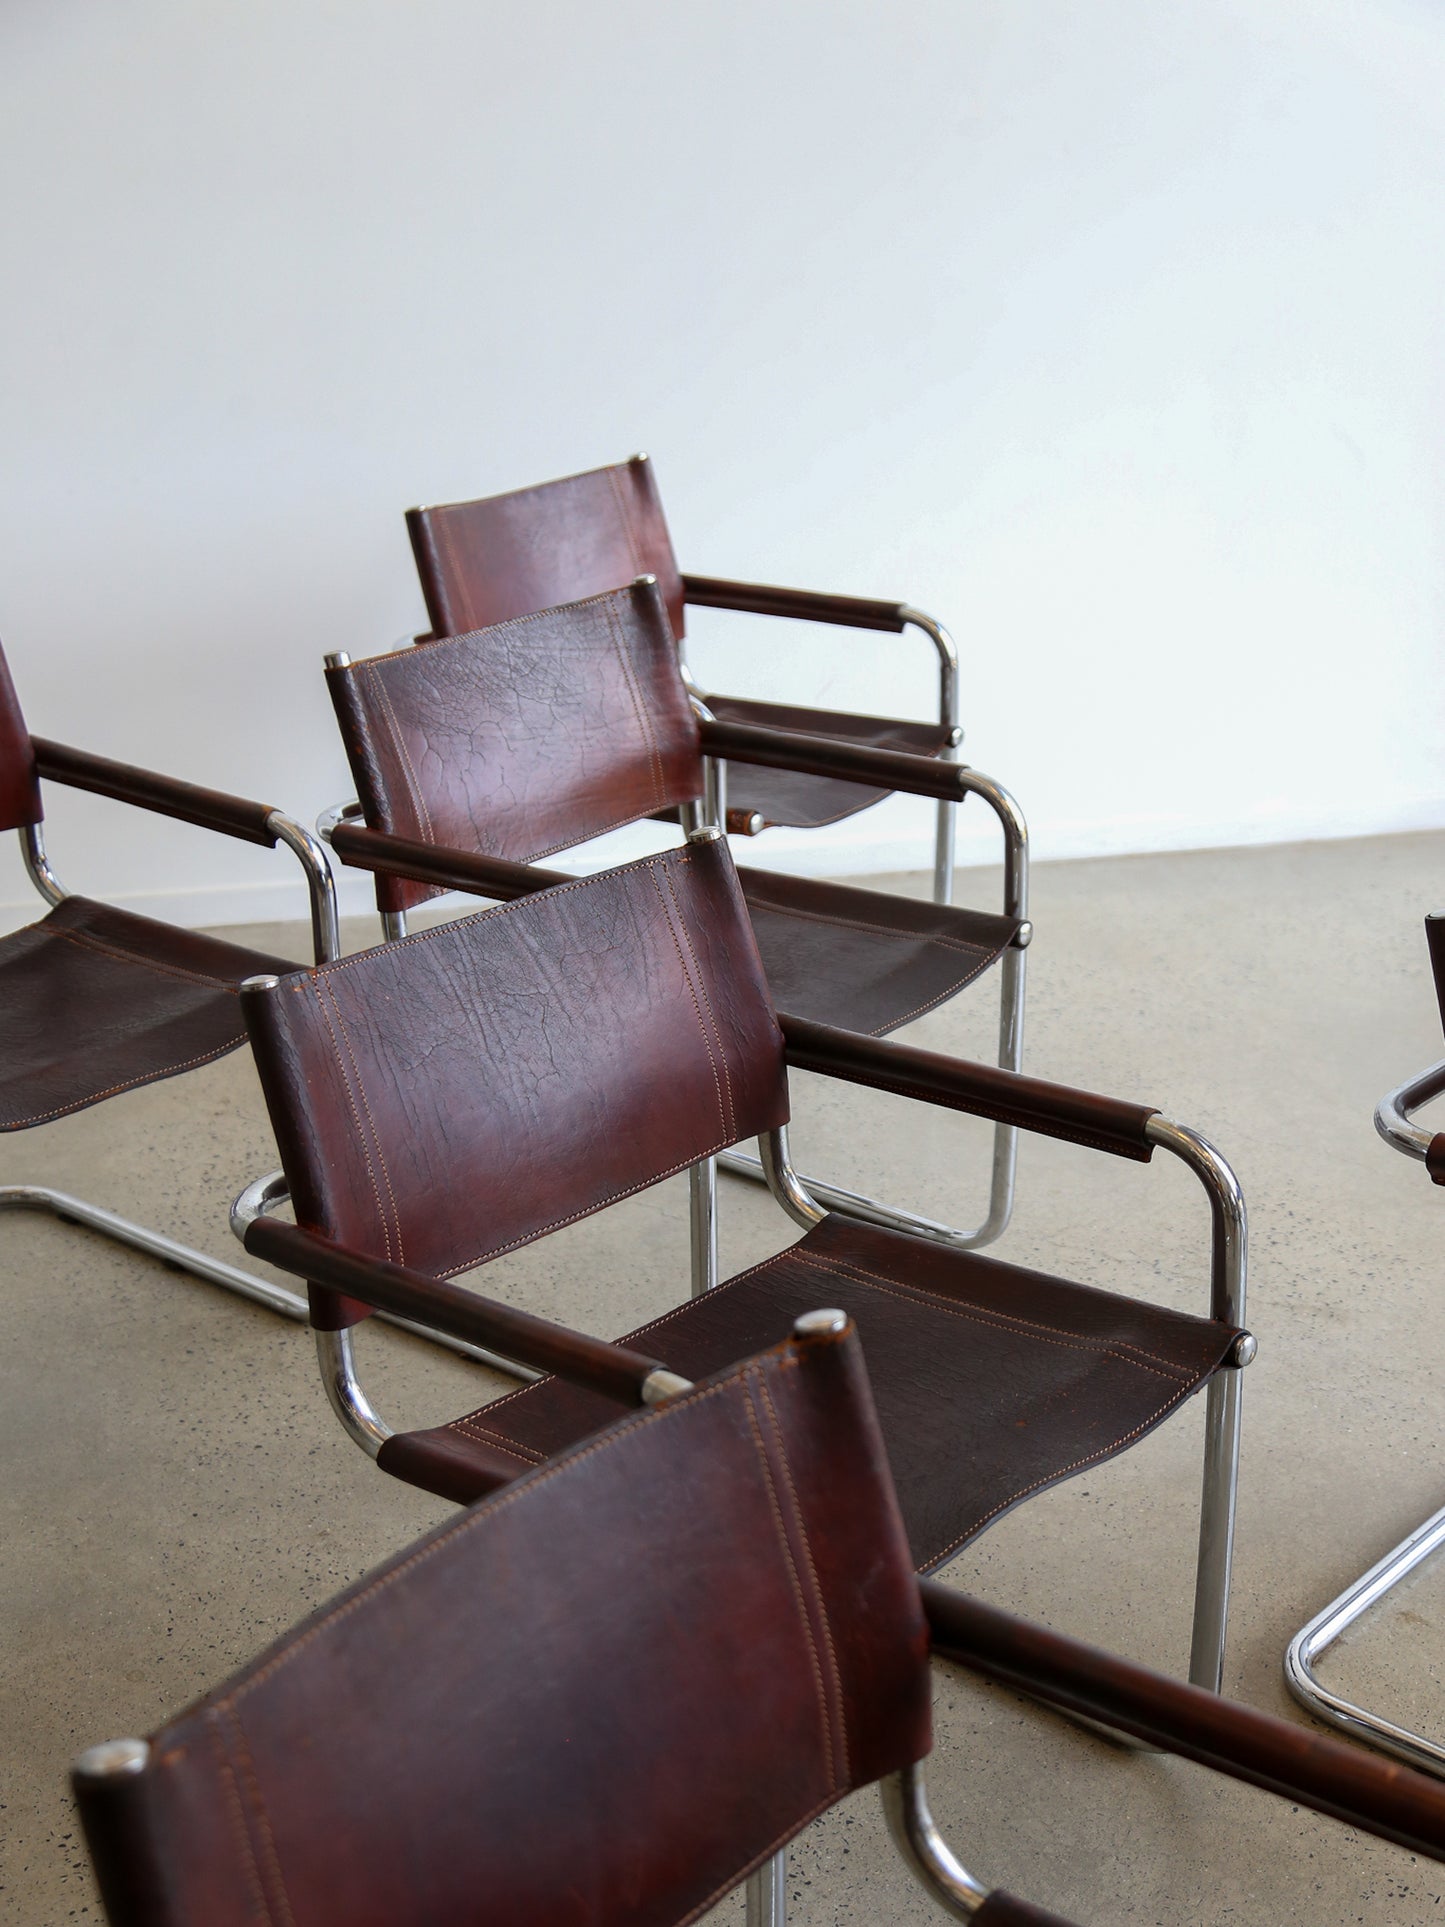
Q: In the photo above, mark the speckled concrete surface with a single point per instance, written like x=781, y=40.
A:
x=177, y=1492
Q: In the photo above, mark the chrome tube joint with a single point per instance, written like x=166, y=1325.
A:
x=929, y=1857
x=320, y=886
x=1393, y=1114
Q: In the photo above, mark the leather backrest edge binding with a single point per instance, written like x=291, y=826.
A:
x=555, y=1696
x=443, y=1099
x=19, y=782
x=509, y=555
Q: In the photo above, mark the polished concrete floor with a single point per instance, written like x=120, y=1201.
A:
x=176, y=1491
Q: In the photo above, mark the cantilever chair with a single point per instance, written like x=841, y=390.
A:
x=1394, y=1120
x=510, y=555
x=95, y=1001
x=452, y=1741
x=546, y=730
x=456, y=1094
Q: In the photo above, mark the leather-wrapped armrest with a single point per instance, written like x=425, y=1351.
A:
x=148, y=790
x=488, y=876
x=807, y=605
x=984, y=1090
x=1393, y=1801
x=591, y=1362
x=892, y=769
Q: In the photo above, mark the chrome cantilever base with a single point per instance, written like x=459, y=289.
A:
x=155, y=1244
x=1396, y=1125
x=1326, y=1627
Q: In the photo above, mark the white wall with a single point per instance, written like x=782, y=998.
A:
x=1110, y=333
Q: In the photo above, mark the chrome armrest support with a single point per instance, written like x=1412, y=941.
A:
x=325, y=932
x=335, y=1355
x=259, y=1199
x=1393, y=1119
x=349, y=812
x=1230, y=1244
x=784, y=1183
x=923, y=1848
x=32, y=845
x=947, y=668
x=1015, y=843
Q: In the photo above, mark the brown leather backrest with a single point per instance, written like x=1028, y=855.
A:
x=1435, y=939
x=517, y=740
x=450, y=1096
x=19, y=783
x=508, y=555
x=599, y=1697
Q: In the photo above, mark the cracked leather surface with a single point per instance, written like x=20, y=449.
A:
x=450, y=1096
x=518, y=740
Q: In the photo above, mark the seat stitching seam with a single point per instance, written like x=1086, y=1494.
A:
x=1090, y=1458
x=84, y=940
x=970, y=977
x=484, y=1435
x=1111, y=1347
x=879, y=929
x=1004, y=1320
x=144, y=1077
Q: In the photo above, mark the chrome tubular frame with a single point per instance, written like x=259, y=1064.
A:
x=766, y=1893
x=1228, y=1278
x=70, y=1210
x=923, y=1847
x=1397, y=1127
x=32, y=845
x=948, y=716
x=854, y=1204
x=336, y=1357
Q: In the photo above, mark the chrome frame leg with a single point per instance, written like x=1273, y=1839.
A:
x=926, y=1853
x=1326, y=1627
x=1222, y=1416
x=702, y=1224
x=1229, y=1267
x=766, y=1893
